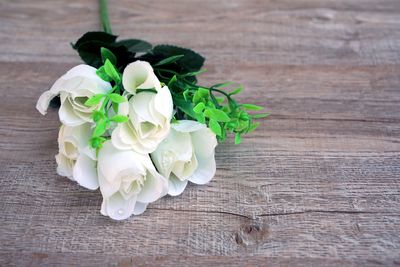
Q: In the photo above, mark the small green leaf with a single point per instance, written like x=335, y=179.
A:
x=116, y=98
x=252, y=127
x=204, y=92
x=199, y=107
x=120, y=118
x=220, y=85
x=260, y=116
x=107, y=54
x=215, y=127
x=112, y=71
x=94, y=100
x=97, y=142
x=252, y=107
x=103, y=75
x=98, y=115
x=236, y=91
x=185, y=94
x=220, y=99
x=200, y=118
x=100, y=129
x=169, y=60
x=194, y=73
x=238, y=138
x=217, y=115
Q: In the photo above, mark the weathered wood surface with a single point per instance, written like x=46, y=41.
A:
x=317, y=184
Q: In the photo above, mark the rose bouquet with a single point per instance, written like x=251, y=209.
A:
x=135, y=122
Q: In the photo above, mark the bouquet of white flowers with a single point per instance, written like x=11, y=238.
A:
x=136, y=124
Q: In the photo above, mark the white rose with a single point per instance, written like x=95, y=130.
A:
x=187, y=154
x=75, y=87
x=76, y=160
x=128, y=182
x=139, y=75
x=149, y=113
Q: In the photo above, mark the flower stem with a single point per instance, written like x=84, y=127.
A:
x=105, y=21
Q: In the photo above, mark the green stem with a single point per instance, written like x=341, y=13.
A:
x=105, y=21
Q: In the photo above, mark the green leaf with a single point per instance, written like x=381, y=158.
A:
x=238, y=138
x=236, y=91
x=119, y=118
x=107, y=54
x=134, y=45
x=193, y=73
x=98, y=115
x=89, y=46
x=200, y=94
x=185, y=106
x=116, y=98
x=100, y=129
x=97, y=142
x=217, y=115
x=260, y=116
x=111, y=71
x=220, y=85
x=215, y=127
x=199, y=107
x=94, y=36
x=103, y=75
x=169, y=60
x=201, y=118
x=252, y=107
x=94, y=100
x=252, y=127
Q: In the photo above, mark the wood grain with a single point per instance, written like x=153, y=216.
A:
x=317, y=185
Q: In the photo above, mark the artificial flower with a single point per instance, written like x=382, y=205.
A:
x=75, y=87
x=187, y=154
x=149, y=113
x=128, y=182
x=76, y=160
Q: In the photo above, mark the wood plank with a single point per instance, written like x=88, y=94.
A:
x=317, y=185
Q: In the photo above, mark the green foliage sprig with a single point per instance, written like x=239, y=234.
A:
x=176, y=67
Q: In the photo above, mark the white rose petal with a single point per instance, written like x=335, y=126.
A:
x=74, y=88
x=187, y=154
x=139, y=75
x=76, y=160
x=128, y=182
x=149, y=113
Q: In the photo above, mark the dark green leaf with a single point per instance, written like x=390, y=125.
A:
x=107, y=54
x=134, y=45
x=116, y=98
x=95, y=36
x=215, y=127
x=94, y=100
x=169, y=60
x=217, y=115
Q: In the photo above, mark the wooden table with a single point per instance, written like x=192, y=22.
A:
x=317, y=184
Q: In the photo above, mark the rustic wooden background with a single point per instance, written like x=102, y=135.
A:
x=317, y=184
